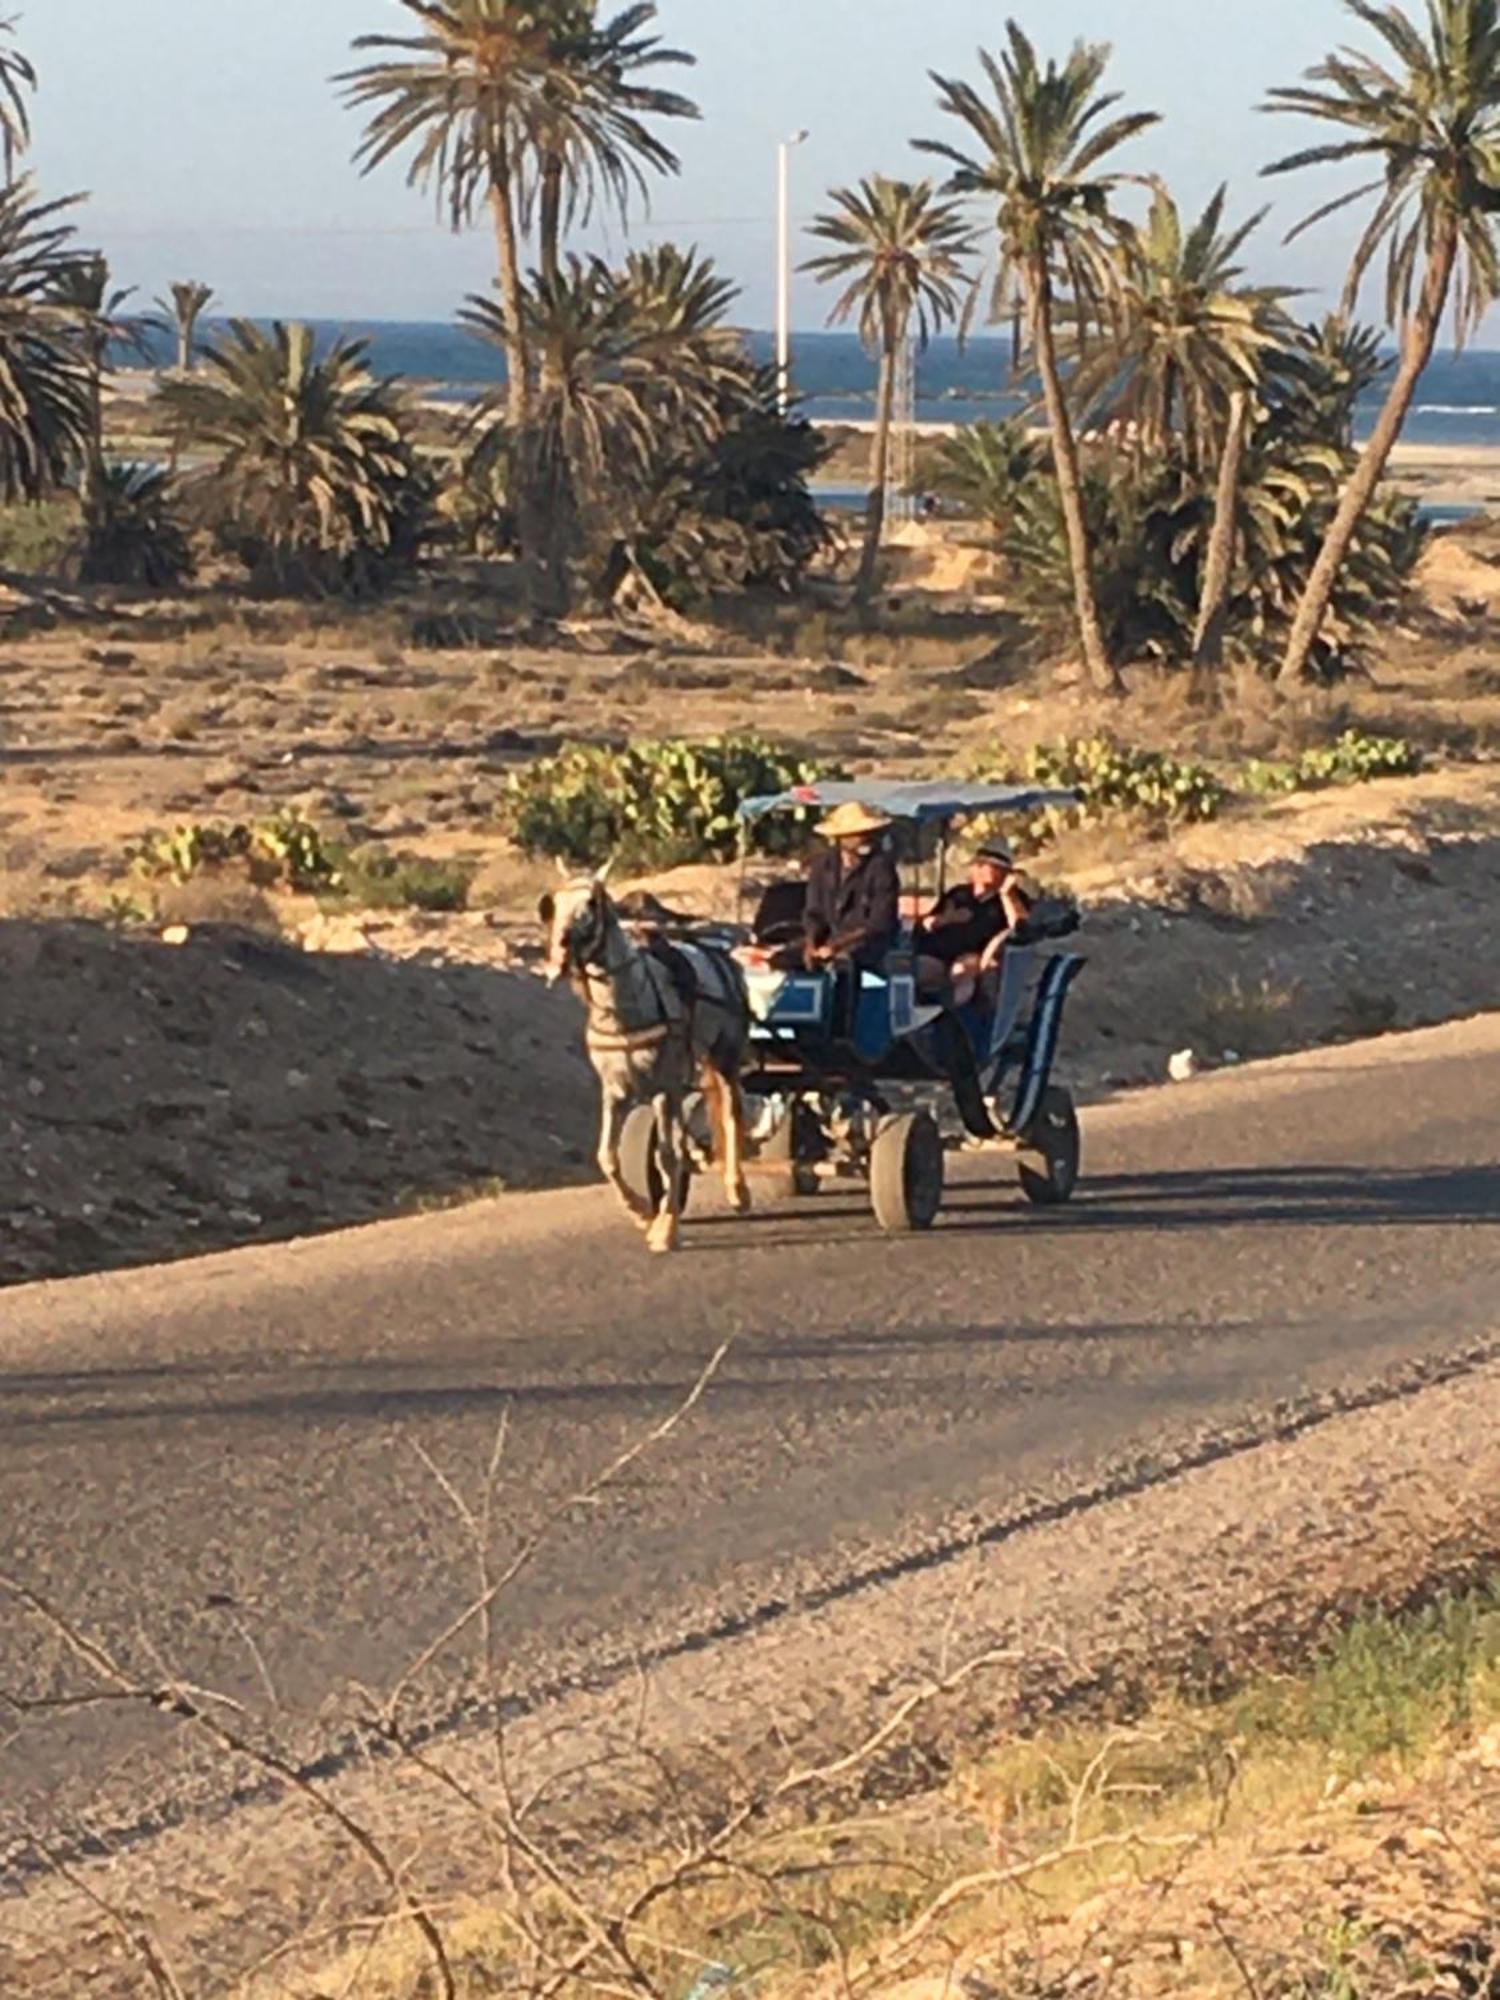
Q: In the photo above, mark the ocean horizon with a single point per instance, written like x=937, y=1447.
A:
x=835, y=379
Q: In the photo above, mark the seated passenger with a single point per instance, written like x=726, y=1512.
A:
x=853, y=892
x=963, y=938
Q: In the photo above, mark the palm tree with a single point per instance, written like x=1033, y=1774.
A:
x=1323, y=375
x=1429, y=118
x=589, y=134
x=899, y=254
x=17, y=78
x=1218, y=562
x=45, y=404
x=465, y=92
x=189, y=301
x=313, y=473
x=985, y=468
x=135, y=535
x=1181, y=362
x=634, y=366
x=97, y=308
x=1043, y=144
x=1185, y=335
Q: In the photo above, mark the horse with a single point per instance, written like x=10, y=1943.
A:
x=660, y=1020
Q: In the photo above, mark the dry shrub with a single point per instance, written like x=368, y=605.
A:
x=1363, y=1013
x=1250, y=1017
x=216, y=898
x=27, y=890
x=1241, y=895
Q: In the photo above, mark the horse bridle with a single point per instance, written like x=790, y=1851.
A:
x=586, y=956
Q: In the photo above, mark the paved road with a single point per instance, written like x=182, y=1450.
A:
x=199, y=1457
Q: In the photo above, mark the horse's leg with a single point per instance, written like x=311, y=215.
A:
x=713, y=1095
x=662, y=1236
x=728, y=1108
x=615, y=1107
x=737, y=1187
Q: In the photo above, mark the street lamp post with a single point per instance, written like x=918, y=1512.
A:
x=784, y=270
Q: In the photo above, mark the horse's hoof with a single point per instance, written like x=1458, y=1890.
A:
x=739, y=1200
x=661, y=1242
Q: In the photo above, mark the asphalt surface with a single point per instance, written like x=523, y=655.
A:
x=226, y=1467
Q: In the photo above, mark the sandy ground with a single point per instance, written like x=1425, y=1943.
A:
x=291, y=1067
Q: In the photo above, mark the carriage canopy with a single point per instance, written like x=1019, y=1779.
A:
x=926, y=801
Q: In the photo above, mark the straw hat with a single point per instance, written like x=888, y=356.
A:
x=848, y=822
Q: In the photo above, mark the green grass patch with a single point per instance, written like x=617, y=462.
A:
x=373, y=878
x=288, y=852
x=41, y=538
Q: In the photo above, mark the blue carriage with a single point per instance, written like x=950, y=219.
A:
x=834, y=1049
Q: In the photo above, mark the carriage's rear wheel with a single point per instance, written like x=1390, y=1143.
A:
x=1053, y=1148
x=787, y=1159
x=906, y=1173
x=640, y=1162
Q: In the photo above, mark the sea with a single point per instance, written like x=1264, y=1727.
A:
x=834, y=379
x=1459, y=401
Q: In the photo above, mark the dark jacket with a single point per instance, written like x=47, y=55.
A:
x=963, y=925
x=862, y=898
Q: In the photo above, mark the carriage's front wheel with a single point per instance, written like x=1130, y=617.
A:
x=906, y=1173
x=640, y=1163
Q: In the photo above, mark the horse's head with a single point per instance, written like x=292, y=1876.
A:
x=577, y=920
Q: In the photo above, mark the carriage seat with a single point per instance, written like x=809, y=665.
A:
x=1051, y=919
x=780, y=914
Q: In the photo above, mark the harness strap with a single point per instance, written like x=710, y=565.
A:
x=628, y=1044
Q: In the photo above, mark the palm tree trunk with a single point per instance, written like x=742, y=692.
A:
x=1101, y=670
x=1218, y=568
x=184, y=344
x=91, y=473
x=1162, y=441
x=518, y=389
x=880, y=460
x=1421, y=337
x=549, y=218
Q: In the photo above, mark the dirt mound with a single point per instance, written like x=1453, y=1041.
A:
x=159, y=1100
x=938, y=558
x=1453, y=576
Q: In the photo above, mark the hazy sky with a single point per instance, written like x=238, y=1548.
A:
x=213, y=146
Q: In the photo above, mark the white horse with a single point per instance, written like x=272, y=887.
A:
x=662, y=1020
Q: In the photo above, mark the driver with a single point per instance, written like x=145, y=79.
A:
x=853, y=891
x=963, y=937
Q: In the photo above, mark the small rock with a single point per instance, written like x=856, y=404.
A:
x=176, y=934
x=394, y=824
x=297, y=1079
x=1184, y=1066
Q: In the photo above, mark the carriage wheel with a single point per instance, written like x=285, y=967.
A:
x=788, y=1158
x=906, y=1173
x=640, y=1162
x=1053, y=1147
